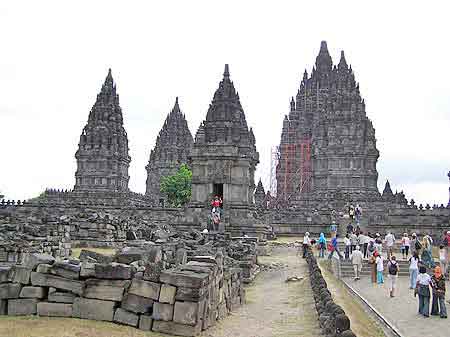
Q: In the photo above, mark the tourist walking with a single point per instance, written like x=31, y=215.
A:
x=349, y=228
x=380, y=268
x=423, y=290
x=348, y=244
x=405, y=246
x=364, y=243
x=413, y=270
x=334, y=248
x=358, y=214
x=357, y=262
x=393, y=274
x=438, y=286
x=322, y=245
x=390, y=240
x=378, y=243
x=415, y=242
x=306, y=244
x=427, y=257
x=353, y=242
x=443, y=259
x=373, y=267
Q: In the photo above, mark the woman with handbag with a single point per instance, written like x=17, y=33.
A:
x=423, y=290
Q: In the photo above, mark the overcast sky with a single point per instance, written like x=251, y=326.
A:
x=55, y=56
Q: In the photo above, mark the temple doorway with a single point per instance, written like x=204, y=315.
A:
x=218, y=190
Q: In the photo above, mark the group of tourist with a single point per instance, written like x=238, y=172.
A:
x=359, y=246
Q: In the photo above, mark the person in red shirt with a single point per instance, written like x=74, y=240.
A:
x=216, y=205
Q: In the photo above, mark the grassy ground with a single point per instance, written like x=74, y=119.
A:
x=362, y=324
x=104, y=251
x=32, y=326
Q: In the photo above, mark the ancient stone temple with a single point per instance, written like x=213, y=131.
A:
x=328, y=145
x=102, y=155
x=172, y=148
x=260, y=195
x=224, y=157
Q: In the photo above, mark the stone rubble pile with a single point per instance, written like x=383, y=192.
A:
x=332, y=318
x=131, y=288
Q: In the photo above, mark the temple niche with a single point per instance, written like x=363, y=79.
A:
x=171, y=150
x=102, y=156
x=224, y=158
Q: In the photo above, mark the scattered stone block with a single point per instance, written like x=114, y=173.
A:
x=61, y=297
x=126, y=317
x=173, y=328
x=32, y=260
x=89, y=256
x=167, y=294
x=21, y=274
x=93, y=309
x=190, y=294
x=113, y=271
x=4, y=274
x=130, y=256
x=66, y=270
x=87, y=269
x=137, y=304
x=10, y=290
x=186, y=313
x=162, y=311
x=48, y=280
x=187, y=279
x=33, y=292
x=145, y=323
x=54, y=309
x=109, y=290
x=153, y=271
x=44, y=268
x=145, y=289
x=22, y=306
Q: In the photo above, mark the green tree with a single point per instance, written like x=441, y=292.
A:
x=177, y=187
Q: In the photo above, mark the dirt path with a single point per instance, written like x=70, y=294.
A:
x=274, y=307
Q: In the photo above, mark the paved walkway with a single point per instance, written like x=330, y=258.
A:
x=401, y=310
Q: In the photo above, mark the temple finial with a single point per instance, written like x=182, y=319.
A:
x=342, y=62
x=176, y=107
x=226, y=72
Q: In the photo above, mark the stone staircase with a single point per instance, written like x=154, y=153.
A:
x=347, y=268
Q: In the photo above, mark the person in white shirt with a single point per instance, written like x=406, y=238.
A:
x=357, y=262
x=364, y=243
x=306, y=243
x=413, y=270
x=405, y=246
x=393, y=274
x=347, y=243
x=423, y=290
x=390, y=240
x=380, y=268
x=443, y=259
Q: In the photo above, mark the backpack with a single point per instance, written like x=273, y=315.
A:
x=371, y=246
x=418, y=245
x=393, y=268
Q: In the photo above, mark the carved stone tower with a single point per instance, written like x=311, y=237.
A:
x=172, y=148
x=102, y=155
x=224, y=157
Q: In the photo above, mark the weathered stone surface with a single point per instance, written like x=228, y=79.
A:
x=145, y=323
x=109, y=290
x=87, y=269
x=44, y=268
x=10, y=290
x=130, y=256
x=162, y=311
x=61, y=297
x=47, y=280
x=167, y=294
x=190, y=294
x=4, y=272
x=187, y=279
x=93, y=309
x=173, y=328
x=186, y=313
x=21, y=274
x=33, y=292
x=153, y=271
x=32, y=260
x=137, y=304
x=66, y=270
x=54, y=309
x=126, y=317
x=114, y=271
x=90, y=256
x=145, y=289
x=23, y=306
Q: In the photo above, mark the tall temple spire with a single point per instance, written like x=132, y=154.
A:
x=172, y=148
x=226, y=72
x=323, y=60
x=342, y=62
x=102, y=155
